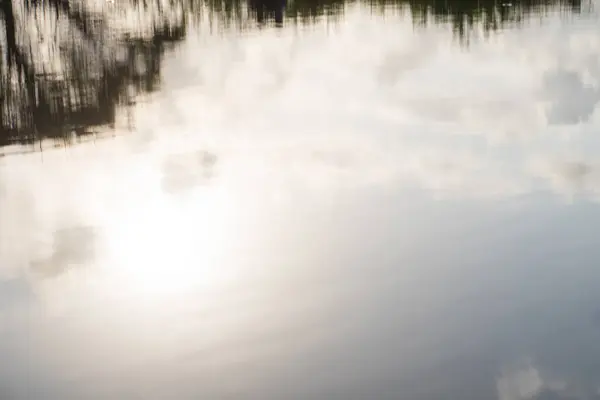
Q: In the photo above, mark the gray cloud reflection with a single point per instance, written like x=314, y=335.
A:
x=569, y=178
x=71, y=247
x=571, y=99
x=185, y=170
x=525, y=381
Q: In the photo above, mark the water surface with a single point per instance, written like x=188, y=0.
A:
x=307, y=200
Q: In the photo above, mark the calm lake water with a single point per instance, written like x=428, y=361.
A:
x=312, y=200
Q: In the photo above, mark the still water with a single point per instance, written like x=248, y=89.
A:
x=302, y=200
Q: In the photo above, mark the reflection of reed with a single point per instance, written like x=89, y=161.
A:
x=492, y=15
x=65, y=68
x=462, y=14
x=72, y=71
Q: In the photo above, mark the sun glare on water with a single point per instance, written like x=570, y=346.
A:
x=172, y=245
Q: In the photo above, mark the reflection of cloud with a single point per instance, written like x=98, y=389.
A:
x=569, y=177
x=72, y=247
x=494, y=88
x=397, y=62
x=186, y=170
x=572, y=101
x=524, y=381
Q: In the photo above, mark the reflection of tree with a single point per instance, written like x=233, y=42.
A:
x=462, y=14
x=491, y=14
x=265, y=10
x=65, y=69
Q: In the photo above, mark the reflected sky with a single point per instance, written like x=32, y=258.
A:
x=360, y=207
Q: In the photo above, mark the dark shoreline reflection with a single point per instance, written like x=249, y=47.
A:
x=71, y=74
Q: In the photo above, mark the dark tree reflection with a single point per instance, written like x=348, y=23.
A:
x=464, y=15
x=68, y=67
x=268, y=10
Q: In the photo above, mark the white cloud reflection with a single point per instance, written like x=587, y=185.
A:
x=520, y=383
x=526, y=381
x=386, y=111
